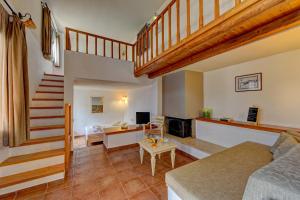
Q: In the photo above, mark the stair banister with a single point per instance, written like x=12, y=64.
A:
x=68, y=137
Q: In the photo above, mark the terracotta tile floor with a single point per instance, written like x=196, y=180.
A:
x=79, y=142
x=98, y=175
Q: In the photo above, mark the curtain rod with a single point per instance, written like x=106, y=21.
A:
x=12, y=10
x=44, y=4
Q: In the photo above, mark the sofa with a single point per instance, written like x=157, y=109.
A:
x=246, y=171
x=222, y=176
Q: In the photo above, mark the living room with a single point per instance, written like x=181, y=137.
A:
x=180, y=100
x=116, y=105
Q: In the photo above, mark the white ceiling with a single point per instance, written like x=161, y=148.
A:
x=118, y=19
x=284, y=41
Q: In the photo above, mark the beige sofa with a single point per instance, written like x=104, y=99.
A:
x=222, y=176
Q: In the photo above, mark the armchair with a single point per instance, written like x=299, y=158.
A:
x=155, y=127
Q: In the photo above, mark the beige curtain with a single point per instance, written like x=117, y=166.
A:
x=46, y=33
x=3, y=72
x=14, y=100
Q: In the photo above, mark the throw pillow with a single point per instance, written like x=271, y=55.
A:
x=283, y=136
x=293, y=133
x=284, y=147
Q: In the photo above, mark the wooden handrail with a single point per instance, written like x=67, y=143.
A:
x=200, y=14
x=77, y=41
x=112, y=49
x=170, y=26
x=151, y=42
x=163, y=32
x=188, y=17
x=68, y=137
x=156, y=37
x=96, y=37
x=178, y=20
x=217, y=8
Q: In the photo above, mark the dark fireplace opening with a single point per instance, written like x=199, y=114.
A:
x=179, y=127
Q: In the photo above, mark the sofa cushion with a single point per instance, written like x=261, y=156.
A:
x=283, y=136
x=221, y=176
x=288, y=143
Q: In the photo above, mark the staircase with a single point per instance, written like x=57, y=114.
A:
x=41, y=159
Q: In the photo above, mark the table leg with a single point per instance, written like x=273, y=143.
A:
x=141, y=154
x=153, y=161
x=159, y=156
x=173, y=157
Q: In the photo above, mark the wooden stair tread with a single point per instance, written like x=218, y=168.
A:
x=46, y=107
x=32, y=157
x=44, y=140
x=54, y=75
x=53, y=86
x=31, y=175
x=49, y=127
x=46, y=99
x=49, y=92
x=47, y=117
x=52, y=80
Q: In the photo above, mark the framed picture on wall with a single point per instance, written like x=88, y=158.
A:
x=249, y=82
x=97, y=104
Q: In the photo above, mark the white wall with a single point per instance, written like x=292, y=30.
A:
x=84, y=66
x=114, y=109
x=140, y=99
x=229, y=136
x=279, y=100
x=112, y=141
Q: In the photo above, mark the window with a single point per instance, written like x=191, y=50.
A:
x=55, y=47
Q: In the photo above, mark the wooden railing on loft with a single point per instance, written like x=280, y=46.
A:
x=143, y=57
x=68, y=137
x=84, y=42
x=163, y=47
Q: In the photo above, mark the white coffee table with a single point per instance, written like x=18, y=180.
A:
x=161, y=148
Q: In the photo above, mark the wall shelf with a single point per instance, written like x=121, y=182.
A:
x=261, y=127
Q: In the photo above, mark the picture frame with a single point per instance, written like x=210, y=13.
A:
x=253, y=115
x=97, y=105
x=249, y=82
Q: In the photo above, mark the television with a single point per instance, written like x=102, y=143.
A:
x=142, y=117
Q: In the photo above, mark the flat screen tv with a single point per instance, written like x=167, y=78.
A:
x=142, y=117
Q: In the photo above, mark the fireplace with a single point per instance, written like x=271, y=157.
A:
x=179, y=127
